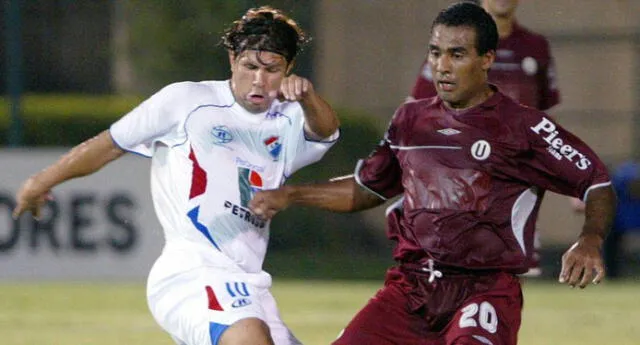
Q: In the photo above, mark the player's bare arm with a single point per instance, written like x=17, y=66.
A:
x=82, y=160
x=584, y=256
x=321, y=120
x=339, y=195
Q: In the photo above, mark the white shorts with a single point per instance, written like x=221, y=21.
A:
x=197, y=306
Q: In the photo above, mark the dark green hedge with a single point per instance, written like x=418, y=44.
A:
x=64, y=120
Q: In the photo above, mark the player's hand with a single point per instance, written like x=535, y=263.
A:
x=295, y=88
x=30, y=197
x=581, y=261
x=265, y=204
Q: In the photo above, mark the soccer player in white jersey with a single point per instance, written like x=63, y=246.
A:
x=213, y=144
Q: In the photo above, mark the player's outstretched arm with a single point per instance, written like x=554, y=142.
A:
x=584, y=257
x=81, y=160
x=321, y=120
x=339, y=195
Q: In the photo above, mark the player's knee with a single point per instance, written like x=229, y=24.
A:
x=250, y=331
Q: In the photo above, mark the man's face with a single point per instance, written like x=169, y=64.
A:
x=256, y=77
x=500, y=8
x=459, y=73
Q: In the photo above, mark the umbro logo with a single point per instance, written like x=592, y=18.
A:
x=448, y=131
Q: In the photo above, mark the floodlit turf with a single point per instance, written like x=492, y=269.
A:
x=107, y=314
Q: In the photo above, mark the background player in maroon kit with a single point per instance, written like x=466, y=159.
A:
x=472, y=165
x=523, y=69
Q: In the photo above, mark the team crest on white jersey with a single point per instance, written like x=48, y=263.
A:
x=273, y=145
x=480, y=150
x=221, y=135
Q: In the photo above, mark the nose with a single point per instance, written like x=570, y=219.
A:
x=443, y=64
x=258, y=77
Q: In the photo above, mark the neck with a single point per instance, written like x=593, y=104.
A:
x=482, y=96
x=505, y=25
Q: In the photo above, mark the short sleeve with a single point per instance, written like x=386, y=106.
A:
x=300, y=150
x=157, y=119
x=381, y=173
x=559, y=161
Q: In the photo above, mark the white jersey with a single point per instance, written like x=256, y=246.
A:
x=209, y=156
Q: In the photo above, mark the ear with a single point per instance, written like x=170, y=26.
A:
x=488, y=59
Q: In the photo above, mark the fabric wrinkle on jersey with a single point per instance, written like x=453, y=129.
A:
x=472, y=180
x=437, y=302
x=213, y=299
x=210, y=156
x=524, y=69
x=409, y=310
x=416, y=307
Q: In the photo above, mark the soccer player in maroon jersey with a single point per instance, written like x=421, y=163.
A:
x=472, y=165
x=523, y=69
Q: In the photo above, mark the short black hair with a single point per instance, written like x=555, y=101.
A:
x=265, y=29
x=471, y=15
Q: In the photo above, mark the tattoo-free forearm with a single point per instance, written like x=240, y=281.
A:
x=599, y=212
x=320, y=117
x=343, y=195
x=83, y=159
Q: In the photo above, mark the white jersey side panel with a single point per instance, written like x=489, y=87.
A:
x=209, y=157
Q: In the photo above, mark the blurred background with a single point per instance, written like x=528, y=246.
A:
x=71, y=68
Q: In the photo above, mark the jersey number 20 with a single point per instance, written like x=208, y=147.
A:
x=483, y=314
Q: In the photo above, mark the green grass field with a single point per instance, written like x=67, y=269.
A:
x=107, y=314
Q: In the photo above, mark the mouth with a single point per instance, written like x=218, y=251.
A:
x=446, y=86
x=256, y=98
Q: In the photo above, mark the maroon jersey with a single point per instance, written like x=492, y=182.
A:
x=524, y=70
x=473, y=180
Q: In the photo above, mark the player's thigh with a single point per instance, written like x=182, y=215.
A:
x=384, y=320
x=199, y=306
x=492, y=317
x=251, y=331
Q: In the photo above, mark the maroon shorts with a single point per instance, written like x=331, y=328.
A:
x=456, y=309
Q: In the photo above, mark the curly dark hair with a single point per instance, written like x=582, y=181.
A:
x=265, y=29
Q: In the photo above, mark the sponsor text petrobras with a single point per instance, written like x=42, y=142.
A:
x=245, y=214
